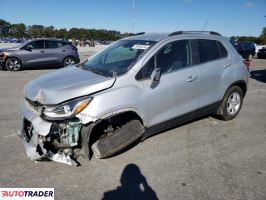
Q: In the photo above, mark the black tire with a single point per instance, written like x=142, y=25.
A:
x=231, y=104
x=118, y=140
x=69, y=61
x=13, y=64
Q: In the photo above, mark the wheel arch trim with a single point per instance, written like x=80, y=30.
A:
x=240, y=83
x=88, y=119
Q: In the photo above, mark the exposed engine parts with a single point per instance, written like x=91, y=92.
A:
x=58, y=145
x=69, y=139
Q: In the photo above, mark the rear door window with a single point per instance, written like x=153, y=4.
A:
x=208, y=50
x=53, y=44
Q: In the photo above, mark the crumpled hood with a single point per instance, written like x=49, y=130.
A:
x=65, y=84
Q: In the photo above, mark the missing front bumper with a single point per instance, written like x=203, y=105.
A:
x=58, y=145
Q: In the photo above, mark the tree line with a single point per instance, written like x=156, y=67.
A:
x=258, y=40
x=37, y=31
x=20, y=30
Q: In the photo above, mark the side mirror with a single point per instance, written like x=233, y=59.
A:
x=155, y=77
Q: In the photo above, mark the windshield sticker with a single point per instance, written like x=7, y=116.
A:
x=140, y=46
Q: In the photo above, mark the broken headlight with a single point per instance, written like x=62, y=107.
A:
x=67, y=109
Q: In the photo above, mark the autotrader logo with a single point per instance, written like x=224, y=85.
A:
x=27, y=193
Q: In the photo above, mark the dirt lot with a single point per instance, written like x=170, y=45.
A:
x=205, y=159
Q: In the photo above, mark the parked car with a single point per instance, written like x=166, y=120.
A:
x=246, y=49
x=262, y=53
x=136, y=87
x=39, y=52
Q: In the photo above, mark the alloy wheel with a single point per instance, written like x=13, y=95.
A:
x=233, y=103
x=69, y=61
x=13, y=64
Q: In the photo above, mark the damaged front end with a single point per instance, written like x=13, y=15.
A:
x=53, y=132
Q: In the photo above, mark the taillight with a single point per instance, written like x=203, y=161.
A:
x=247, y=63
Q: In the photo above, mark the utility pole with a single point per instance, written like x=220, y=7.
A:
x=133, y=14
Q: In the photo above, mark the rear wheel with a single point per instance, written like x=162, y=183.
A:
x=13, y=64
x=69, y=61
x=114, y=141
x=231, y=103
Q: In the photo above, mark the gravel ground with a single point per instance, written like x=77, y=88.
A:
x=205, y=159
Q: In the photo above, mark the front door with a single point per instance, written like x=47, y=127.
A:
x=33, y=53
x=175, y=93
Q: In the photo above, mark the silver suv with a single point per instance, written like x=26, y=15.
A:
x=39, y=52
x=136, y=87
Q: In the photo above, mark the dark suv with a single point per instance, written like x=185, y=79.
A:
x=262, y=53
x=39, y=52
x=246, y=49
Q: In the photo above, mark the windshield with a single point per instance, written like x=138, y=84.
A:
x=118, y=58
x=22, y=44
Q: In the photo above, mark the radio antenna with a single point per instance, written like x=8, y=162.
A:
x=205, y=25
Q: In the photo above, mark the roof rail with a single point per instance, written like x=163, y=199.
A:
x=189, y=32
x=140, y=33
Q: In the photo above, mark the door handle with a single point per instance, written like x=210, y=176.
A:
x=191, y=78
x=63, y=50
x=42, y=51
x=227, y=65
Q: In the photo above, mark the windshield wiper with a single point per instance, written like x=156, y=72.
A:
x=96, y=71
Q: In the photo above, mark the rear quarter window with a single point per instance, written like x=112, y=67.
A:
x=222, y=50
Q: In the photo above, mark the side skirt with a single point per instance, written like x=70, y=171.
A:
x=181, y=119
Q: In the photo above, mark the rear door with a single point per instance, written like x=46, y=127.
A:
x=55, y=51
x=216, y=71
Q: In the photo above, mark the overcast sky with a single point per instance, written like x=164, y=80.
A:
x=229, y=17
